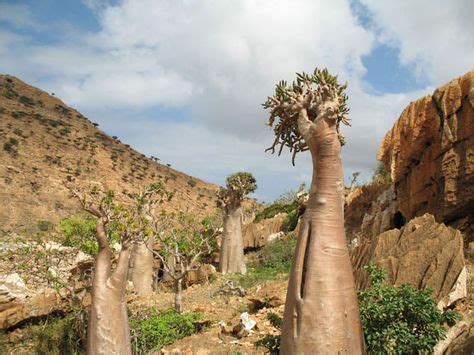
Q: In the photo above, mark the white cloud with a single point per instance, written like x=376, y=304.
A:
x=216, y=61
x=434, y=35
x=16, y=14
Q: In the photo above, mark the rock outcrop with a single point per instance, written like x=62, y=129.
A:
x=423, y=253
x=430, y=155
x=256, y=235
x=30, y=274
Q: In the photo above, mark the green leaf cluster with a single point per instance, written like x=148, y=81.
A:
x=400, y=319
x=80, y=232
x=152, y=331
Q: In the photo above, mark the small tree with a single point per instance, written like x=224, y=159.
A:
x=400, y=319
x=183, y=241
x=108, y=330
x=321, y=313
x=230, y=200
x=146, y=201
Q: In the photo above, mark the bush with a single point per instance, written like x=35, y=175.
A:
x=17, y=114
x=274, y=209
x=10, y=145
x=79, y=232
x=400, y=319
x=45, y=226
x=381, y=174
x=155, y=330
x=395, y=319
x=291, y=221
x=57, y=335
x=26, y=100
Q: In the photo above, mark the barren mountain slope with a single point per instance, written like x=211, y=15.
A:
x=42, y=141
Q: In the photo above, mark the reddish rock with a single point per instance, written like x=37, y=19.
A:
x=430, y=154
x=423, y=253
x=256, y=234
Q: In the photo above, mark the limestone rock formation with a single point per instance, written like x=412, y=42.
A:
x=256, y=235
x=26, y=290
x=430, y=154
x=423, y=253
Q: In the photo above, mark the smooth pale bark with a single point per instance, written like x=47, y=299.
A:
x=178, y=300
x=142, y=267
x=108, y=331
x=321, y=311
x=232, y=245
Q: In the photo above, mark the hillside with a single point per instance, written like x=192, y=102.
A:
x=43, y=141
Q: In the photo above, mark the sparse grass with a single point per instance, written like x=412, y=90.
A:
x=274, y=260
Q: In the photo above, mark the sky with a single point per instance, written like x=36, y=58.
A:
x=183, y=80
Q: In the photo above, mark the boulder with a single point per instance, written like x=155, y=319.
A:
x=256, y=235
x=423, y=253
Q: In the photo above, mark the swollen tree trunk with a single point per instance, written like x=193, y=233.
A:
x=142, y=267
x=321, y=312
x=108, y=331
x=232, y=245
x=178, y=288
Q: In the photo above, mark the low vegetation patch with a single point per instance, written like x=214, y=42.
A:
x=274, y=261
x=153, y=330
x=395, y=319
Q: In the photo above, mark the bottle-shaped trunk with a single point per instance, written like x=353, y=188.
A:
x=108, y=331
x=321, y=312
x=142, y=267
x=232, y=248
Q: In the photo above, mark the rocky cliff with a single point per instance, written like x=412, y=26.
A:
x=430, y=154
x=42, y=141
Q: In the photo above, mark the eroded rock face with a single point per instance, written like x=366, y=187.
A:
x=430, y=154
x=27, y=275
x=256, y=235
x=423, y=253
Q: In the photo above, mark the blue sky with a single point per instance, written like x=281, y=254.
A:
x=183, y=80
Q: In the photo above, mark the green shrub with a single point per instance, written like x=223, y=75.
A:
x=152, y=331
x=274, y=209
x=45, y=226
x=395, y=319
x=26, y=100
x=400, y=319
x=18, y=114
x=79, y=232
x=291, y=221
x=10, y=145
x=64, y=131
x=381, y=174
x=60, y=335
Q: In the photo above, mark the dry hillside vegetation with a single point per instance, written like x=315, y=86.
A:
x=43, y=141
